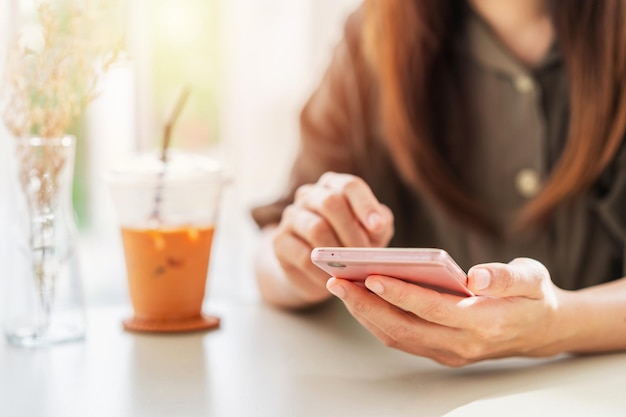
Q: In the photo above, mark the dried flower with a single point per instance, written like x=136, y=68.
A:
x=53, y=70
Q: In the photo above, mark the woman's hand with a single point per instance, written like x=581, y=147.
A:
x=338, y=210
x=516, y=312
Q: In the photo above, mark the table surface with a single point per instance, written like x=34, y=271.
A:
x=266, y=362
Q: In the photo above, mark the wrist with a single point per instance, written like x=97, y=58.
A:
x=589, y=320
x=564, y=328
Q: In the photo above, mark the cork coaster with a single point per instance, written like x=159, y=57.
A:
x=192, y=324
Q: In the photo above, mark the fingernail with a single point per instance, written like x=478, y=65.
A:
x=374, y=220
x=482, y=278
x=337, y=290
x=375, y=287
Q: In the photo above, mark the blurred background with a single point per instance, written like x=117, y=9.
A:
x=250, y=64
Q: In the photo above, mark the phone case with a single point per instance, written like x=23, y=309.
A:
x=428, y=267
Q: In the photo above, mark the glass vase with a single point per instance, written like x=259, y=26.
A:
x=44, y=299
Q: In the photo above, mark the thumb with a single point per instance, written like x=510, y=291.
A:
x=521, y=277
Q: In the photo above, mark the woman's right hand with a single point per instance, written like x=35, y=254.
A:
x=338, y=210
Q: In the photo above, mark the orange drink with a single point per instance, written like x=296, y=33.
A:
x=167, y=270
x=167, y=212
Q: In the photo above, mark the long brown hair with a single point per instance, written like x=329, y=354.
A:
x=409, y=43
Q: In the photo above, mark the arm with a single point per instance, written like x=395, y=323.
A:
x=595, y=318
x=518, y=311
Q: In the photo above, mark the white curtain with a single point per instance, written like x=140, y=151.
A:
x=275, y=52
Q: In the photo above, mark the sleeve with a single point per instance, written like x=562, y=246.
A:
x=331, y=123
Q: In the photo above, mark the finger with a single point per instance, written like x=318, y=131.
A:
x=361, y=199
x=521, y=277
x=366, y=307
x=332, y=205
x=386, y=233
x=302, y=191
x=394, y=327
x=308, y=226
x=430, y=305
x=293, y=254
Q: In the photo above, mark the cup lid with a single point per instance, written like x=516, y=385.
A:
x=181, y=166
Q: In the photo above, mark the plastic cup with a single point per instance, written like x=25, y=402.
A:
x=167, y=214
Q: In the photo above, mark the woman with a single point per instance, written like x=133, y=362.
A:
x=492, y=129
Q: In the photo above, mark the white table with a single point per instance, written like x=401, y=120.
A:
x=265, y=362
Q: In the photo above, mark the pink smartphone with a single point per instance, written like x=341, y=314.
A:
x=428, y=267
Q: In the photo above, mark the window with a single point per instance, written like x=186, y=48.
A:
x=251, y=64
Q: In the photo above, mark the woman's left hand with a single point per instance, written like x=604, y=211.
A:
x=515, y=313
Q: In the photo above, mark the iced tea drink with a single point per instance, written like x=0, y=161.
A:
x=167, y=216
x=167, y=270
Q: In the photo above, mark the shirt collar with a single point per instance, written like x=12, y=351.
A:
x=484, y=47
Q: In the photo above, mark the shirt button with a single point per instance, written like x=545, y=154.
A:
x=527, y=182
x=523, y=84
